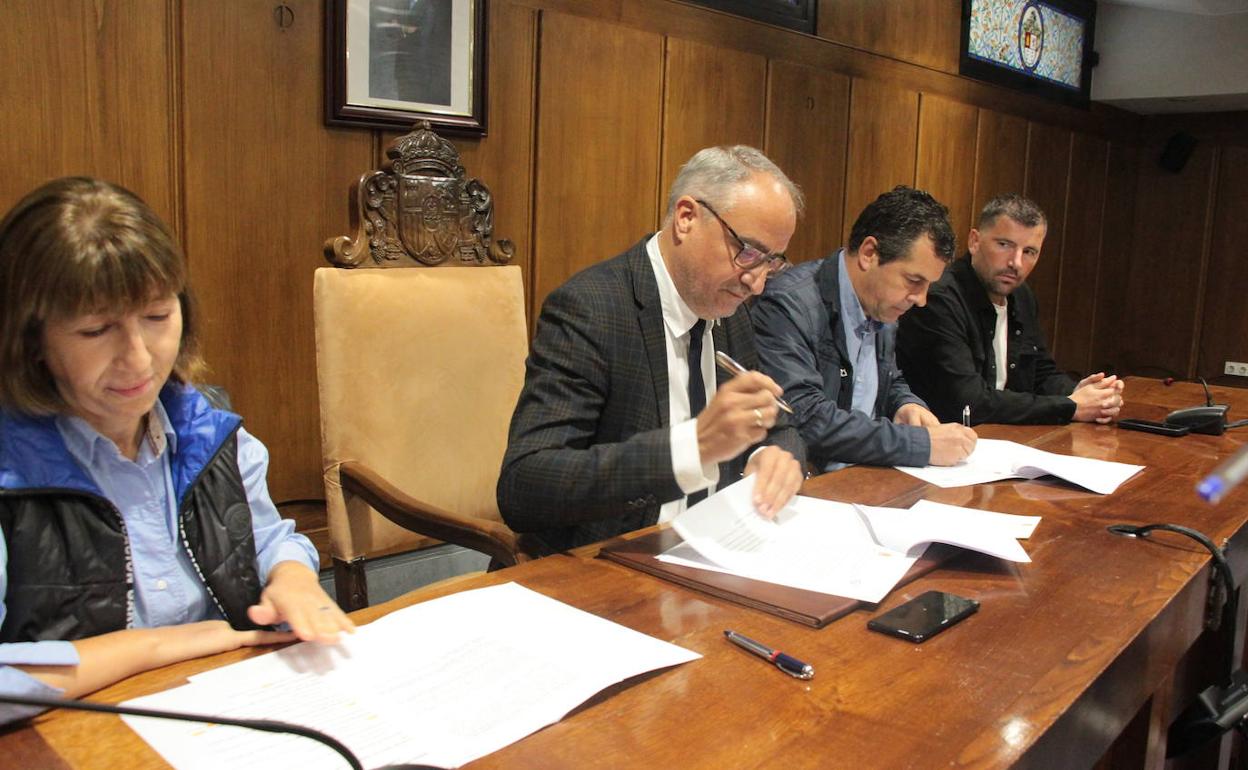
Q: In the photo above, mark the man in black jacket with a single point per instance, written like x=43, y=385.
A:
x=977, y=347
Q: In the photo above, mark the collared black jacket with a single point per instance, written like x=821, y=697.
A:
x=69, y=571
x=945, y=350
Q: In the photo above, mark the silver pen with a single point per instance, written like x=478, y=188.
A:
x=729, y=365
x=966, y=415
x=786, y=663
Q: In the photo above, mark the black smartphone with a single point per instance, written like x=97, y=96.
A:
x=924, y=616
x=1152, y=426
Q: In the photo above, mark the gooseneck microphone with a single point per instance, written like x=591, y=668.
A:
x=1209, y=419
x=264, y=725
x=1208, y=395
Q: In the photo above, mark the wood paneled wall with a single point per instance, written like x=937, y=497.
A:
x=808, y=136
x=945, y=166
x=90, y=88
x=883, y=142
x=265, y=183
x=1110, y=309
x=1081, y=251
x=1224, y=314
x=213, y=113
x=598, y=194
x=923, y=32
x=1184, y=315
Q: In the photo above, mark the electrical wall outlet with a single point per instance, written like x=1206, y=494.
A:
x=1236, y=368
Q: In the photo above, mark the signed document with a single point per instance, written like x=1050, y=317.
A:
x=842, y=549
x=994, y=460
x=439, y=683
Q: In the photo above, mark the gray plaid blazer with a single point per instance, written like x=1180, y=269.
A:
x=589, y=451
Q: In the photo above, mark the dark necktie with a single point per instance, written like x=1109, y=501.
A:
x=697, y=388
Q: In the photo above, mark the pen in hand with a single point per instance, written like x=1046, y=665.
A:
x=728, y=364
x=966, y=415
x=786, y=663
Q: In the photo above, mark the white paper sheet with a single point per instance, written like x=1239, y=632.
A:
x=927, y=522
x=994, y=460
x=442, y=683
x=834, y=548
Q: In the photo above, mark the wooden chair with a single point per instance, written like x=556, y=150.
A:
x=419, y=365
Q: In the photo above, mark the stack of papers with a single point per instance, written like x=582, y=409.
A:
x=439, y=683
x=842, y=549
x=994, y=460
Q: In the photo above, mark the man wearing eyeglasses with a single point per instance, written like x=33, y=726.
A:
x=624, y=420
x=827, y=331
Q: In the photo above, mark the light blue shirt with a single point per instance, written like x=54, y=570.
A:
x=167, y=589
x=859, y=334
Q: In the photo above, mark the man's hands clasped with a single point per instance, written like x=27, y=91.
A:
x=1098, y=398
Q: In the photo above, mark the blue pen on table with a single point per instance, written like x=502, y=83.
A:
x=786, y=663
x=1225, y=477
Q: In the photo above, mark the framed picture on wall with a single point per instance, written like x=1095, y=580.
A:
x=390, y=63
x=1043, y=47
x=794, y=14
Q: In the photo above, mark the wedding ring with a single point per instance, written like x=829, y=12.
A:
x=758, y=418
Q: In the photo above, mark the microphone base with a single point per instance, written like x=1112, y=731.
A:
x=1215, y=711
x=1210, y=420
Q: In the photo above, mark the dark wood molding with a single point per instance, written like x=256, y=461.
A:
x=350, y=584
x=489, y=537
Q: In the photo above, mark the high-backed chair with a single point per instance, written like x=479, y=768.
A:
x=420, y=347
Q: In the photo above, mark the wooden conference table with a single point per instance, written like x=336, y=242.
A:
x=1075, y=658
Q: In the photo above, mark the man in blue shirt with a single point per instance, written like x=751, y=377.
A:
x=826, y=333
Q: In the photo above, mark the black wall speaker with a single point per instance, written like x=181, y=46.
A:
x=1178, y=150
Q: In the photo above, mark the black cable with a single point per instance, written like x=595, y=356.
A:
x=1208, y=395
x=1221, y=566
x=264, y=725
x=1218, y=708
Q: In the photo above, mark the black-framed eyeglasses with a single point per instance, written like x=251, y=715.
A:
x=750, y=256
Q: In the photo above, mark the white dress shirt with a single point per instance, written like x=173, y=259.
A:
x=678, y=320
x=999, y=342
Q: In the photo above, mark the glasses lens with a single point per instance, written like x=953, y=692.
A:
x=778, y=265
x=749, y=257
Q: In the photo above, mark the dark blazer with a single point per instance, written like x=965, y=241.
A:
x=801, y=344
x=589, y=452
x=946, y=348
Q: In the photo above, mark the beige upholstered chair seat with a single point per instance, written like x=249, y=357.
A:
x=391, y=401
x=419, y=367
